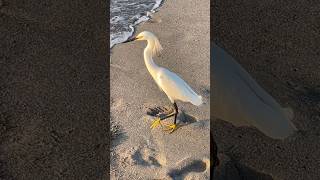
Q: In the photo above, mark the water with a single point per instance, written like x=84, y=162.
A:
x=125, y=14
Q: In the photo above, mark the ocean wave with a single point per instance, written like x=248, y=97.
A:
x=126, y=14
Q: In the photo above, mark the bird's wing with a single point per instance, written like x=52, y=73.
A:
x=176, y=88
x=240, y=100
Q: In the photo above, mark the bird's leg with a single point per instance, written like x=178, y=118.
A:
x=157, y=121
x=172, y=127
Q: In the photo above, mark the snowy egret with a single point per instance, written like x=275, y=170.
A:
x=238, y=99
x=170, y=83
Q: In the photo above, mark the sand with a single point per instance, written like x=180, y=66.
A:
x=139, y=152
x=277, y=43
x=54, y=100
x=53, y=84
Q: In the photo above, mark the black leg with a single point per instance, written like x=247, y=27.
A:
x=170, y=115
x=175, y=114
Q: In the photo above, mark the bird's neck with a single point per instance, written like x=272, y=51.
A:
x=151, y=66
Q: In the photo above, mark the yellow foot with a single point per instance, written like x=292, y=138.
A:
x=171, y=128
x=156, y=122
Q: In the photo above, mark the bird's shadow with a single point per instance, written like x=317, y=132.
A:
x=160, y=112
x=186, y=118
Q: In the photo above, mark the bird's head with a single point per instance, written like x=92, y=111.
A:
x=151, y=38
x=145, y=35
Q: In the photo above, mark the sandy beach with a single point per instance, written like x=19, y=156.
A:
x=139, y=152
x=54, y=101
x=277, y=44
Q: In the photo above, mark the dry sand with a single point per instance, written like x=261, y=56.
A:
x=277, y=42
x=139, y=152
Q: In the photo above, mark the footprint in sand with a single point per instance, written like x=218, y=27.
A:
x=142, y=156
x=190, y=168
x=147, y=157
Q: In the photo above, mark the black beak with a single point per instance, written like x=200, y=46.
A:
x=130, y=39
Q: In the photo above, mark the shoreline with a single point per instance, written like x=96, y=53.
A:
x=141, y=20
x=139, y=151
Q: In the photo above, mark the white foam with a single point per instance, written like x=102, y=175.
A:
x=116, y=19
x=156, y=5
x=117, y=38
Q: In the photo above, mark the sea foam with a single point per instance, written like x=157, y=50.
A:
x=126, y=14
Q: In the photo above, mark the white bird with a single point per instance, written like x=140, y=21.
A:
x=170, y=83
x=238, y=99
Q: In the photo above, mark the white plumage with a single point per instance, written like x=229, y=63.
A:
x=170, y=83
x=176, y=88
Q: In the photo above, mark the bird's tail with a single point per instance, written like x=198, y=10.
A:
x=197, y=101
